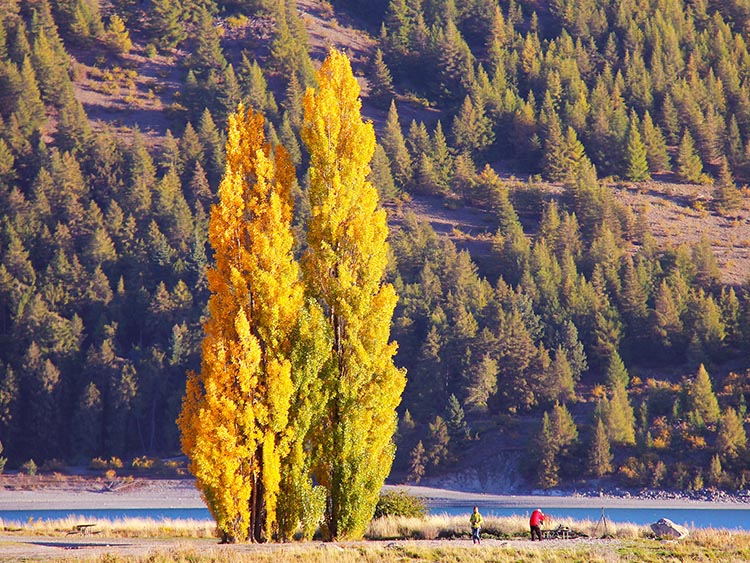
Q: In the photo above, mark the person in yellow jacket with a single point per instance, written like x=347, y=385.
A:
x=476, y=525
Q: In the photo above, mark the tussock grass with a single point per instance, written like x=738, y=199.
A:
x=443, y=526
x=117, y=528
x=703, y=546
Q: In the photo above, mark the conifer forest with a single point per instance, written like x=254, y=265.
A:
x=572, y=336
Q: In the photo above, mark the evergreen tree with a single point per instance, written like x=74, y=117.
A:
x=546, y=449
x=380, y=175
x=689, y=165
x=118, y=36
x=636, y=153
x=656, y=145
x=354, y=458
x=381, y=81
x=417, y=461
x=727, y=198
x=394, y=145
x=620, y=418
x=600, y=456
x=207, y=54
x=670, y=120
x=702, y=398
x=255, y=88
x=456, y=419
x=165, y=23
x=731, y=438
x=471, y=130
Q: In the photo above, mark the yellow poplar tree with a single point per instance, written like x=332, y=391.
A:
x=343, y=269
x=234, y=418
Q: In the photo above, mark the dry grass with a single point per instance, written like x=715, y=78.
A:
x=704, y=546
x=627, y=543
x=117, y=528
x=452, y=527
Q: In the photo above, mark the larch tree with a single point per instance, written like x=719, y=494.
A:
x=702, y=398
x=599, y=454
x=343, y=269
x=234, y=417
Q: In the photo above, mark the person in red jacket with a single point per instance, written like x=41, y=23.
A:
x=537, y=517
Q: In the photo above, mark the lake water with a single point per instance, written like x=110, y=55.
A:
x=728, y=518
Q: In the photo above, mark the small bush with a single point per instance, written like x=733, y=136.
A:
x=400, y=503
x=28, y=467
x=53, y=465
x=238, y=21
x=97, y=463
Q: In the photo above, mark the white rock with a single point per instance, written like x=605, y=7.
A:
x=665, y=528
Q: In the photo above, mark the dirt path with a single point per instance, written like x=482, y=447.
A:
x=50, y=548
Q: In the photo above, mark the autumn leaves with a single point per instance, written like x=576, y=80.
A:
x=290, y=421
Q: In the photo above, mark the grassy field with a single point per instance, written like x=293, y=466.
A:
x=433, y=539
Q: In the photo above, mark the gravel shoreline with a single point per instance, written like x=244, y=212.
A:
x=181, y=493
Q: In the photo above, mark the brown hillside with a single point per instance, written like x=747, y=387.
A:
x=141, y=91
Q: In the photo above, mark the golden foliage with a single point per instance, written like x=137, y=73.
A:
x=236, y=410
x=344, y=268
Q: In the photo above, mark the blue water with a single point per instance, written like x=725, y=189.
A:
x=727, y=518
x=22, y=516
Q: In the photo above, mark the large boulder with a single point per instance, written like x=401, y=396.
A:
x=665, y=528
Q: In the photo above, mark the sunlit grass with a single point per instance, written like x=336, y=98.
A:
x=505, y=543
x=701, y=547
x=451, y=527
x=116, y=528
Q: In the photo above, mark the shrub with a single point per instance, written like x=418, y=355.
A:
x=53, y=465
x=28, y=467
x=400, y=503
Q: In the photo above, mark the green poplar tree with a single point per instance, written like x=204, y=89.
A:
x=344, y=269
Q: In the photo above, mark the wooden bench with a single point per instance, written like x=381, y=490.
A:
x=82, y=530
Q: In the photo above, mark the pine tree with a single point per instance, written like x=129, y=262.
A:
x=417, y=461
x=702, y=398
x=118, y=36
x=245, y=387
x=165, y=23
x=381, y=82
x=666, y=316
x=731, y=439
x=395, y=147
x=636, y=154
x=207, y=54
x=255, y=88
x=689, y=165
x=380, y=175
x=599, y=457
x=344, y=268
x=456, y=419
x=620, y=419
x=715, y=471
x=670, y=120
x=727, y=197
x=656, y=145
x=546, y=449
